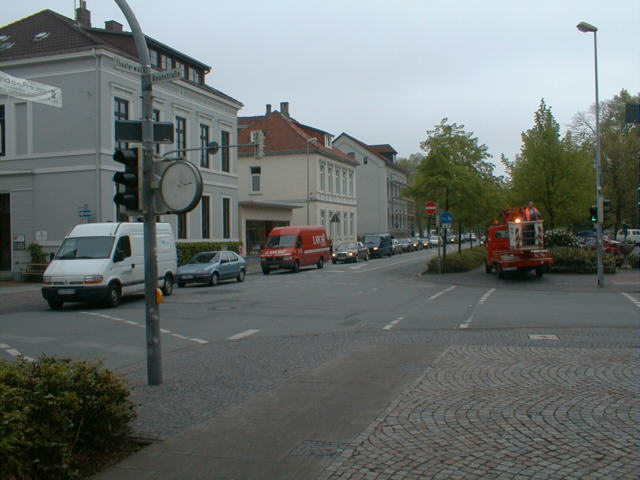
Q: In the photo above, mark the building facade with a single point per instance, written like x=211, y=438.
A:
x=56, y=165
x=300, y=180
x=381, y=208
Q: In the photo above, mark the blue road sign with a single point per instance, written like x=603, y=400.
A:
x=446, y=218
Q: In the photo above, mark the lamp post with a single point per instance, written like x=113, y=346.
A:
x=309, y=140
x=588, y=28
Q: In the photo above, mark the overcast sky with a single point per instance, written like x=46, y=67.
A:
x=388, y=71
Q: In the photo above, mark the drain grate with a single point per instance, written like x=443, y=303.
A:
x=314, y=448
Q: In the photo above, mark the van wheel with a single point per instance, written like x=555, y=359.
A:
x=240, y=277
x=266, y=270
x=114, y=295
x=213, y=281
x=55, y=304
x=167, y=286
x=320, y=263
x=180, y=284
x=296, y=266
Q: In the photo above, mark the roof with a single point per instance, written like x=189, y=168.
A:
x=377, y=150
x=68, y=36
x=284, y=135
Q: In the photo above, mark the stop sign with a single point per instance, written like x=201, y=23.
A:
x=431, y=208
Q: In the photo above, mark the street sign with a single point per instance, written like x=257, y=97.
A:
x=446, y=218
x=131, y=131
x=431, y=208
x=158, y=77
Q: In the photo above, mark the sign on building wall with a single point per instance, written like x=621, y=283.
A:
x=30, y=90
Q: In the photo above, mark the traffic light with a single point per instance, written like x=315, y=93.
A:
x=593, y=213
x=606, y=210
x=130, y=179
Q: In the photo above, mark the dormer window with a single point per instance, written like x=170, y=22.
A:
x=153, y=58
x=38, y=37
x=195, y=76
x=327, y=141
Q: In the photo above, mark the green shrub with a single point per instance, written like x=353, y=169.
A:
x=579, y=260
x=37, y=254
x=458, y=262
x=59, y=415
x=187, y=250
x=560, y=238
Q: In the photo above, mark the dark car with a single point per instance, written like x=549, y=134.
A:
x=350, y=252
x=417, y=243
x=406, y=244
x=211, y=267
x=379, y=245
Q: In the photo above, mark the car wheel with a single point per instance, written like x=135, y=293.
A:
x=114, y=295
x=55, y=304
x=366, y=257
x=167, y=286
x=180, y=284
x=240, y=277
x=333, y=261
x=355, y=259
x=296, y=266
x=320, y=263
x=213, y=281
x=266, y=270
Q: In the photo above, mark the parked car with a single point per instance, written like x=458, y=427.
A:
x=608, y=245
x=633, y=235
x=434, y=240
x=379, y=245
x=396, y=247
x=417, y=244
x=470, y=237
x=406, y=244
x=212, y=267
x=425, y=242
x=350, y=252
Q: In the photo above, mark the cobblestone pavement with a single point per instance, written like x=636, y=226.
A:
x=507, y=413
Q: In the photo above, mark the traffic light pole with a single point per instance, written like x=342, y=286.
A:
x=154, y=352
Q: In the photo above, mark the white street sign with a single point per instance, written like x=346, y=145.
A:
x=30, y=90
x=158, y=77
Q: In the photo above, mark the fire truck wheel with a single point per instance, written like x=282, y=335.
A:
x=499, y=270
x=487, y=267
x=539, y=272
x=296, y=267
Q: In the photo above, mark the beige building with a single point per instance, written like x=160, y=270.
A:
x=300, y=180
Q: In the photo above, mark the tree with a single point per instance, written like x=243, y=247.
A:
x=456, y=174
x=553, y=172
x=619, y=154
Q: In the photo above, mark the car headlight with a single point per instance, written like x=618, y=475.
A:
x=92, y=279
x=376, y=248
x=350, y=254
x=46, y=279
x=334, y=254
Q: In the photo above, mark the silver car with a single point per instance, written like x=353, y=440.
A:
x=211, y=268
x=350, y=252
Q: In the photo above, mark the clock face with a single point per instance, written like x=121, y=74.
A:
x=181, y=186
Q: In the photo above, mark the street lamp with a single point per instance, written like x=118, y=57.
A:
x=588, y=28
x=309, y=140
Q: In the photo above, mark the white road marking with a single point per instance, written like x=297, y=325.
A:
x=433, y=297
x=534, y=336
x=393, y=324
x=141, y=325
x=14, y=353
x=244, y=334
x=632, y=300
x=483, y=299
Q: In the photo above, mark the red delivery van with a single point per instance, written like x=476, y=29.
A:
x=295, y=247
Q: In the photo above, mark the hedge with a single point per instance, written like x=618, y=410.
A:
x=580, y=260
x=187, y=250
x=59, y=417
x=463, y=261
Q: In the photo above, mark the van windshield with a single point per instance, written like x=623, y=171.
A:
x=372, y=239
x=85, y=247
x=276, y=241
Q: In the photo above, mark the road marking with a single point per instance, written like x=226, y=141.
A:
x=433, y=297
x=534, y=336
x=14, y=353
x=483, y=299
x=632, y=300
x=393, y=324
x=138, y=324
x=244, y=334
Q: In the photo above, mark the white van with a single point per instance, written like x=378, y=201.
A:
x=633, y=235
x=105, y=261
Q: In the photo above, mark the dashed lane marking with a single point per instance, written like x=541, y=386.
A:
x=13, y=352
x=393, y=324
x=633, y=300
x=137, y=324
x=439, y=294
x=467, y=323
x=244, y=334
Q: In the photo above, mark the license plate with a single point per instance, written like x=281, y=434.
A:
x=66, y=291
x=187, y=277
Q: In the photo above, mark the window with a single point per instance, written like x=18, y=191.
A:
x=352, y=224
x=323, y=218
x=337, y=180
x=344, y=182
x=330, y=178
x=255, y=179
x=182, y=225
x=204, y=141
x=226, y=218
x=153, y=57
x=351, y=183
x=164, y=62
x=195, y=76
x=3, y=144
x=365, y=160
x=205, y=209
x=181, y=135
x=182, y=67
x=322, y=180
x=156, y=118
x=224, y=151
x=121, y=112
x=344, y=224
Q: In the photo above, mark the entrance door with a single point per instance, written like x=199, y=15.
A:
x=5, y=231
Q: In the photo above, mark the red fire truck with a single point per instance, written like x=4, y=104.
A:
x=516, y=245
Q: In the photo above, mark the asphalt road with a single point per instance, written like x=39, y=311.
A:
x=237, y=344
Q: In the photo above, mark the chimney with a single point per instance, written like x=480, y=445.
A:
x=113, y=26
x=284, y=108
x=268, y=109
x=83, y=16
